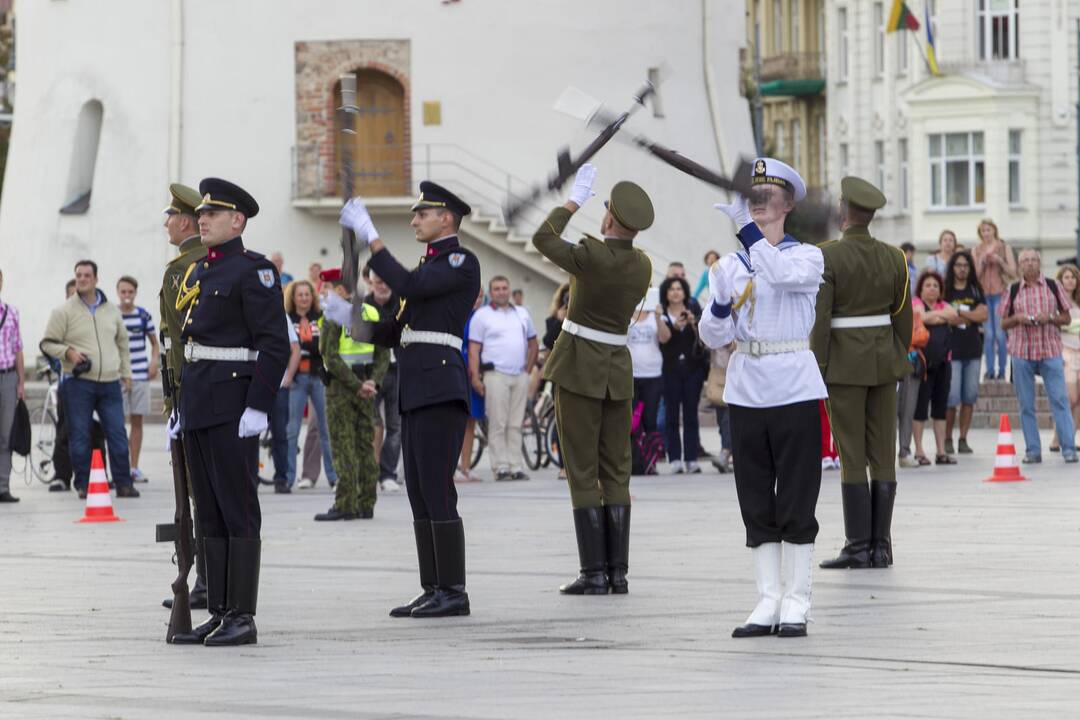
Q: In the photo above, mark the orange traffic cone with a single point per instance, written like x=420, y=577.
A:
x=1005, y=467
x=98, y=500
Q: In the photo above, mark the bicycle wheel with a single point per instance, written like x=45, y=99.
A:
x=546, y=419
x=43, y=424
x=552, y=443
x=479, y=442
x=532, y=441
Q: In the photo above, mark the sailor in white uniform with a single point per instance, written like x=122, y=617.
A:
x=763, y=297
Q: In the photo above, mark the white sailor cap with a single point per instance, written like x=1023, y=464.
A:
x=768, y=171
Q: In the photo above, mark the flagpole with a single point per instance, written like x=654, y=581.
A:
x=925, y=57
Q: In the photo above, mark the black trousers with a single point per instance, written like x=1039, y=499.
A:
x=431, y=439
x=224, y=471
x=649, y=392
x=777, y=453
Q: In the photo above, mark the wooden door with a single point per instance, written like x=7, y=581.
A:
x=379, y=151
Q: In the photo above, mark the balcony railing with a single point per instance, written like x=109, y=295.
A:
x=998, y=72
x=793, y=66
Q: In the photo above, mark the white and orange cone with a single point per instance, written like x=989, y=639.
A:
x=1006, y=468
x=98, y=500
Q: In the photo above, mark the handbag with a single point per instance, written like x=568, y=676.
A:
x=714, y=386
x=19, y=442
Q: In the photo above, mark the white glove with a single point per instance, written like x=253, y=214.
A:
x=738, y=211
x=355, y=217
x=583, y=182
x=173, y=425
x=253, y=422
x=720, y=285
x=337, y=309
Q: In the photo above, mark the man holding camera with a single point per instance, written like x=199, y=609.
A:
x=87, y=335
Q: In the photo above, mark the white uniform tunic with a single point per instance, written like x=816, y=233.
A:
x=780, y=307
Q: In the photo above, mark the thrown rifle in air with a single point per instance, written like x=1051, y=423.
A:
x=359, y=329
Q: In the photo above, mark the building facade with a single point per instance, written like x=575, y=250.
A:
x=994, y=135
x=461, y=93
x=788, y=70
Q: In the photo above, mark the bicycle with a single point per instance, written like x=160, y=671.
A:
x=43, y=421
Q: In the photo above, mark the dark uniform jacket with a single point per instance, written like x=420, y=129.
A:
x=438, y=296
x=608, y=279
x=191, y=250
x=863, y=276
x=239, y=305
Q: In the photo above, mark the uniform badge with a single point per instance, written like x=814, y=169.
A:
x=759, y=167
x=266, y=277
x=456, y=259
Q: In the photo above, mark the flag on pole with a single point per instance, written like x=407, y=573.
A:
x=901, y=18
x=931, y=55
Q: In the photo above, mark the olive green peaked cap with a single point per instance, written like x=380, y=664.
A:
x=184, y=200
x=862, y=193
x=631, y=206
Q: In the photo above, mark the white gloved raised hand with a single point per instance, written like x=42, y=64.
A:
x=583, y=182
x=173, y=425
x=738, y=211
x=253, y=422
x=720, y=285
x=355, y=217
x=337, y=309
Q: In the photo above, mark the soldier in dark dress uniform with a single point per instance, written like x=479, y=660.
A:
x=236, y=348
x=434, y=391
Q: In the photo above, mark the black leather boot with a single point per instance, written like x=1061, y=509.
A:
x=618, y=547
x=856, y=553
x=197, y=596
x=882, y=497
x=215, y=554
x=425, y=556
x=590, y=525
x=238, y=625
x=450, y=597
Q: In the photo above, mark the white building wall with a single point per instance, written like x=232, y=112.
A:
x=496, y=68
x=1038, y=96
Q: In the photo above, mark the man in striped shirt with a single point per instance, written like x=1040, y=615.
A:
x=1032, y=313
x=144, y=366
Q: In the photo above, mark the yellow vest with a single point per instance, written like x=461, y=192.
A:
x=358, y=353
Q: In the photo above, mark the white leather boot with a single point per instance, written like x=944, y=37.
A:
x=766, y=615
x=795, y=606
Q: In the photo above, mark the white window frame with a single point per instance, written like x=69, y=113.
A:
x=1016, y=157
x=779, y=139
x=902, y=52
x=904, y=180
x=843, y=44
x=986, y=14
x=879, y=39
x=938, y=165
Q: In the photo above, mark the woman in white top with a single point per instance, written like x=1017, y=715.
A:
x=939, y=261
x=1068, y=277
x=647, y=361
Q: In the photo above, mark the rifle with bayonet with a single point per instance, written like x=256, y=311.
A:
x=180, y=532
x=567, y=167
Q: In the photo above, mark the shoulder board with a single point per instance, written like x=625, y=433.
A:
x=827, y=243
x=252, y=255
x=590, y=237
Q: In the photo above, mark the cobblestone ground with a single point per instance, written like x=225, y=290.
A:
x=977, y=618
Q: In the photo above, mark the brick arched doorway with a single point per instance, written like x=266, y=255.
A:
x=380, y=152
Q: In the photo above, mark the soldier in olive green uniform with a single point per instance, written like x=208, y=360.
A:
x=183, y=230
x=591, y=369
x=356, y=370
x=860, y=337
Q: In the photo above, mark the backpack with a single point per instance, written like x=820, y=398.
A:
x=1014, y=290
x=19, y=440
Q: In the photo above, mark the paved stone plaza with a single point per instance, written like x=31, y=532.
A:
x=977, y=619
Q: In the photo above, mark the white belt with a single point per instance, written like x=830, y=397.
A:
x=426, y=337
x=595, y=335
x=757, y=348
x=861, y=321
x=194, y=352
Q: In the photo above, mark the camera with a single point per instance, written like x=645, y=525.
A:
x=81, y=368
